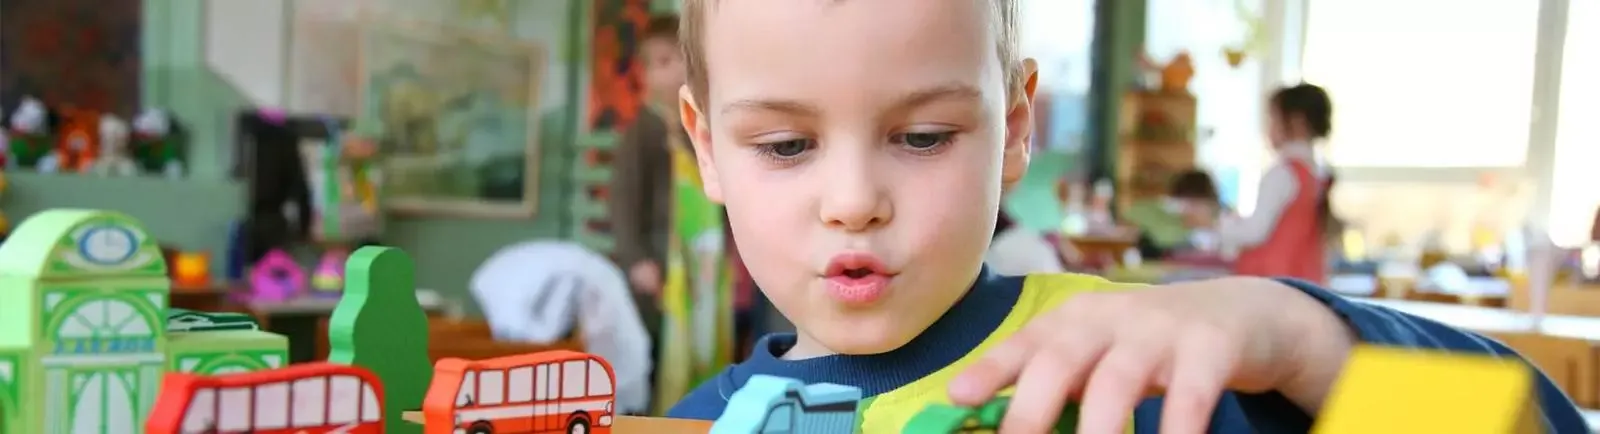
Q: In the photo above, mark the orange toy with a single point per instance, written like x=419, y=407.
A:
x=308, y=398
x=552, y=391
x=80, y=140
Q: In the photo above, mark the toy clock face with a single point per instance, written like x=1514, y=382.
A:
x=107, y=245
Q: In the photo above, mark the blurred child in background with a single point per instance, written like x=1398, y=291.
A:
x=1287, y=234
x=1180, y=221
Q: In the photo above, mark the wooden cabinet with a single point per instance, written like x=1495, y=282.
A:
x=1156, y=133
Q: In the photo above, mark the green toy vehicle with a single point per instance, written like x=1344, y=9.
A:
x=985, y=419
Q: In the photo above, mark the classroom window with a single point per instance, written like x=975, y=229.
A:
x=1425, y=83
x=1573, y=196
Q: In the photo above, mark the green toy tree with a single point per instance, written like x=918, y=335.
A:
x=379, y=325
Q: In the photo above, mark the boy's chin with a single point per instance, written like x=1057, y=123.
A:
x=864, y=338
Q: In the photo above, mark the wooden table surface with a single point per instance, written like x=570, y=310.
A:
x=631, y=424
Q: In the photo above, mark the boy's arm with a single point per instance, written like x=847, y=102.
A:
x=1272, y=412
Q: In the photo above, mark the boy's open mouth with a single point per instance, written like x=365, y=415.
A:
x=857, y=278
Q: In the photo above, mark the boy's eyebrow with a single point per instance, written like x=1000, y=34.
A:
x=950, y=91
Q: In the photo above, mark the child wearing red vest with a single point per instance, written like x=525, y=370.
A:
x=1286, y=235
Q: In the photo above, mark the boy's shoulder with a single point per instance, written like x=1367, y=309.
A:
x=706, y=401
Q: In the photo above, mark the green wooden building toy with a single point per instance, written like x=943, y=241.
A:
x=84, y=327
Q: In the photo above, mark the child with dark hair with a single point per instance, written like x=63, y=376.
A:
x=1191, y=203
x=1286, y=236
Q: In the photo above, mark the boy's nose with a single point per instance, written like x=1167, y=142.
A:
x=854, y=199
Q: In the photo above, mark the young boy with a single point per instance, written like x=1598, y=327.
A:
x=861, y=147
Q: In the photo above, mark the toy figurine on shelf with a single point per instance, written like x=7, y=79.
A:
x=276, y=277
x=114, y=159
x=78, y=144
x=29, y=136
x=158, y=143
x=327, y=280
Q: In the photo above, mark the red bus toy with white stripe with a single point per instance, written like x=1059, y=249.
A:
x=309, y=398
x=547, y=392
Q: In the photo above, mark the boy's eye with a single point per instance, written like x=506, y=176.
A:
x=922, y=140
x=786, y=148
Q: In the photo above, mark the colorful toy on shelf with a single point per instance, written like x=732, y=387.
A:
x=1404, y=390
x=944, y=418
x=78, y=144
x=276, y=277
x=774, y=405
x=158, y=143
x=380, y=326
x=344, y=190
x=515, y=394
x=191, y=270
x=84, y=327
x=30, y=133
x=306, y=398
x=327, y=279
x=114, y=159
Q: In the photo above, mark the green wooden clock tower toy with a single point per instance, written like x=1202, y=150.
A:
x=84, y=323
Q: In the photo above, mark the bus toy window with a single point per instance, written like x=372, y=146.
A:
x=272, y=406
x=541, y=378
x=344, y=399
x=371, y=408
x=599, y=382
x=519, y=388
x=310, y=397
x=202, y=412
x=573, y=379
x=552, y=388
x=469, y=384
x=491, y=387
x=233, y=409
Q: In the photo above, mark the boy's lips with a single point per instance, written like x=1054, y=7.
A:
x=857, y=278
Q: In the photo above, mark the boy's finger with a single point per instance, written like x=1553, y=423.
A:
x=1115, y=388
x=1054, y=374
x=1199, y=373
x=997, y=369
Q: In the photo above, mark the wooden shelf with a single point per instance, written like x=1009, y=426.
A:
x=1156, y=133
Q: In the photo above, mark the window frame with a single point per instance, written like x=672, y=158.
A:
x=1539, y=161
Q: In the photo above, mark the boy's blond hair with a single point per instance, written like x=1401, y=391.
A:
x=1004, y=15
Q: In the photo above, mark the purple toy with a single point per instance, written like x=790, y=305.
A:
x=276, y=278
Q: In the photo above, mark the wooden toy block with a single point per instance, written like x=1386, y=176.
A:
x=309, y=398
x=774, y=405
x=1400, y=390
x=552, y=391
x=944, y=418
x=379, y=325
x=226, y=351
x=83, y=325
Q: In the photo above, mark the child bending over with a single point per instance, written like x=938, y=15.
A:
x=861, y=148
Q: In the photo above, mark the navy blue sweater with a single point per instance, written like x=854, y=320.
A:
x=979, y=312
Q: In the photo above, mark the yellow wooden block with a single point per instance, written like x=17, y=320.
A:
x=1390, y=390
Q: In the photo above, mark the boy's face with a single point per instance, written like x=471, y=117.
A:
x=860, y=147
x=663, y=67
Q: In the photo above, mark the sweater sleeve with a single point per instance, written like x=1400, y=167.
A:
x=1272, y=412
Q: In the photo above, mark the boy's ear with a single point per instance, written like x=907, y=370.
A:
x=698, y=127
x=1019, y=128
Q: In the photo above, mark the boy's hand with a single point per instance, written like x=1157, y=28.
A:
x=1188, y=342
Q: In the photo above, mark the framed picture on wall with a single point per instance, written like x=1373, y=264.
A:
x=455, y=116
